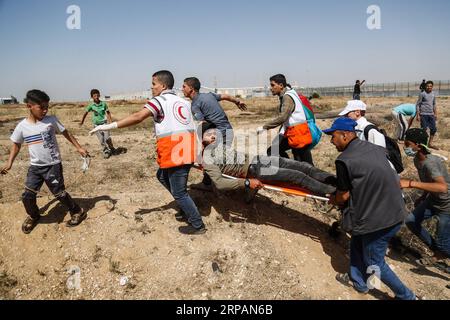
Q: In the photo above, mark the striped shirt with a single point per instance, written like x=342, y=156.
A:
x=40, y=138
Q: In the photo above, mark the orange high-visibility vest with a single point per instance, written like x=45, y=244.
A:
x=296, y=127
x=175, y=130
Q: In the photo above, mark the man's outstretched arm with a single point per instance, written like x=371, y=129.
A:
x=129, y=121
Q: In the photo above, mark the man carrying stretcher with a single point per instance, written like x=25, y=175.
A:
x=219, y=160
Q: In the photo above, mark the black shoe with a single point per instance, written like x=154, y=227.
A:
x=344, y=279
x=180, y=217
x=190, y=230
x=29, y=224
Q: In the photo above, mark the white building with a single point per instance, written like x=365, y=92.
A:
x=10, y=100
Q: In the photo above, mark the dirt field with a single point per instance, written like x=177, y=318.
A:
x=278, y=247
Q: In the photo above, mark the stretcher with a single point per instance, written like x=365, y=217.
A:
x=295, y=191
x=284, y=188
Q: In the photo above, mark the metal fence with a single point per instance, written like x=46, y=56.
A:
x=403, y=89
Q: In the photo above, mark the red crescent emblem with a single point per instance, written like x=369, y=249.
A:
x=181, y=114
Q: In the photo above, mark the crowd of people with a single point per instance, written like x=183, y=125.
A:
x=366, y=186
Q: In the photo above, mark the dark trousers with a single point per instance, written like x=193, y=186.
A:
x=428, y=122
x=281, y=144
x=54, y=179
x=278, y=170
x=175, y=181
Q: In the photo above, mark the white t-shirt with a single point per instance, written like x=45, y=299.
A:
x=40, y=137
x=374, y=136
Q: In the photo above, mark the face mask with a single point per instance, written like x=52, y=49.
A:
x=410, y=152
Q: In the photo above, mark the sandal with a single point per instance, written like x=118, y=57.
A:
x=425, y=262
x=29, y=224
x=76, y=219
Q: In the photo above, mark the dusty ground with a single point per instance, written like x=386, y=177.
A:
x=130, y=247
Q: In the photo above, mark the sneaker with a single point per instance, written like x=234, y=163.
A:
x=344, y=279
x=190, y=230
x=106, y=155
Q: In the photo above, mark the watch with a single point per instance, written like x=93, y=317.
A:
x=247, y=183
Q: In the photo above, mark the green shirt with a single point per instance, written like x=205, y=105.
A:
x=99, y=112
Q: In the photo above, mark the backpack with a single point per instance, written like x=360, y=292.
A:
x=394, y=154
x=316, y=133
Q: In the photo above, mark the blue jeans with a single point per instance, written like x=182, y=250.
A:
x=424, y=212
x=175, y=180
x=368, y=252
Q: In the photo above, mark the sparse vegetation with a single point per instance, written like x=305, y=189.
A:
x=284, y=239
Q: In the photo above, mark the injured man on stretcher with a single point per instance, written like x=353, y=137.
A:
x=220, y=159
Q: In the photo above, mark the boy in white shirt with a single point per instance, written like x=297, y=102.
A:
x=38, y=132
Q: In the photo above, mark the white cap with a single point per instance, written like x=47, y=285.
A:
x=353, y=105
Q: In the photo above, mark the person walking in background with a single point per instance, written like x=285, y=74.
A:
x=427, y=113
x=100, y=115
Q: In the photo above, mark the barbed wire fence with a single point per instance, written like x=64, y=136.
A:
x=399, y=89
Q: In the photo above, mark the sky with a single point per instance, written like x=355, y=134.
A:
x=231, y=43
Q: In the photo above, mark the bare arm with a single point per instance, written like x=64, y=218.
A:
x=12, y=156
x=438, y=186
x=109, y=117
x=418, y=104
x=84, y=118
x=129, y=121
x=241, y=105
x=83, y=152
x=134, y=119
x=435, y=108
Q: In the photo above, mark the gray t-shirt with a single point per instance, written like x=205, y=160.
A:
x=426, y=104
x=40, y=138
x=432, y=168
x=206, y=107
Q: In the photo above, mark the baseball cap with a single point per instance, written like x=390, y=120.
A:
x=342, y=124
x=353, y=105
x=417, y=135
